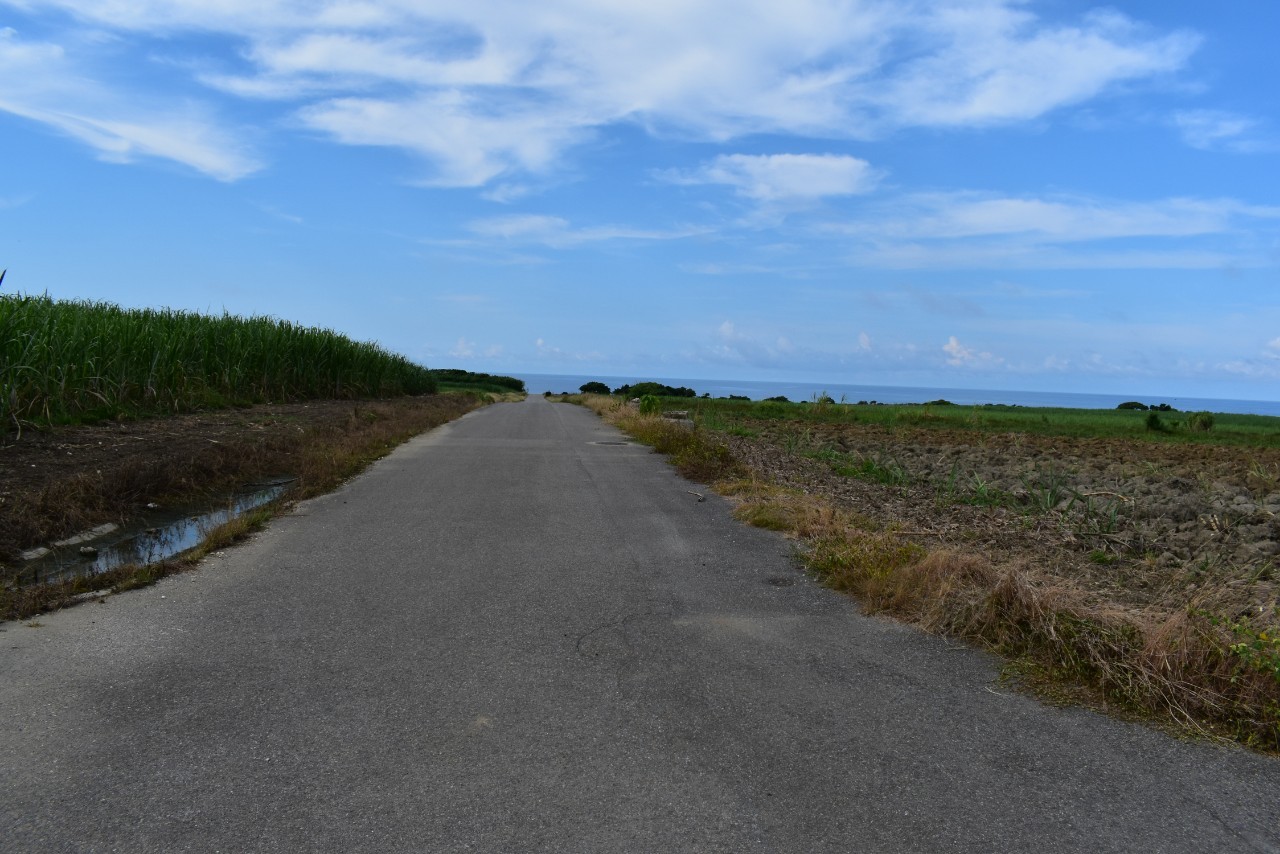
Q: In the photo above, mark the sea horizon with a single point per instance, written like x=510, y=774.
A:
x=856, y=393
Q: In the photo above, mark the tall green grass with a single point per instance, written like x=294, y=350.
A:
x=76, y=360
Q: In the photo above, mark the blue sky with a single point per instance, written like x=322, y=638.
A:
x=983, y=194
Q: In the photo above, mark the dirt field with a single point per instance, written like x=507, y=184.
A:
x=1142, y=524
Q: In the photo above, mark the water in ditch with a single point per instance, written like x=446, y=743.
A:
x=155, y=537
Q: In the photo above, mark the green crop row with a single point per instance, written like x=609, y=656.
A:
x=75, y=360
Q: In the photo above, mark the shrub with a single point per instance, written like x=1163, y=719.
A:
x=650, y=405
x=593, y=387
x=1200, y=422
x=1133, y=404
x=658, y=389
x=1155, y=424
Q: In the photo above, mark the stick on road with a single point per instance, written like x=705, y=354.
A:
x=519, y=633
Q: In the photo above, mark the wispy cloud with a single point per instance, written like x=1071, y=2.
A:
x=44, y=85
x=557, y=232
x=1218, y=130
x=1061, y=232
x=783, y=177
x=482, y=90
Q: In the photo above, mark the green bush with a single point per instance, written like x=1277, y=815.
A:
x=1133, y=404
x=641, y=389
x=1200, y=422
x=594, y=387
x=650, y=405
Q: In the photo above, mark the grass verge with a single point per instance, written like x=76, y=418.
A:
x=695, y=453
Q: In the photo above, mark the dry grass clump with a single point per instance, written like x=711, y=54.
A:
x=1186, y=667
x=695, y=454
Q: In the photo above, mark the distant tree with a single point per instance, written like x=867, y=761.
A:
x=1133, y=404
x=594, y=387
x=655, y=389
x=738, y=397
x=782, y=398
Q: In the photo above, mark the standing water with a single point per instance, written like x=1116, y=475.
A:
x=154, y=539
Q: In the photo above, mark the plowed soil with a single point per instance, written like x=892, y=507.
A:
x=1140, y=524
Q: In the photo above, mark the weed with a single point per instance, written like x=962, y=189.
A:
x=1047, y=488
x=1266, y=478
x=888, y=472
x=983, y=494
x=1255, y=647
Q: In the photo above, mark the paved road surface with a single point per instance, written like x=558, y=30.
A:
x=515, y=634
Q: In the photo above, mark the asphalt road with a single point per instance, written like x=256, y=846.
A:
x=515, y=634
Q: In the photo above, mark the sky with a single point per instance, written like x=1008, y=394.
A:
x=1048, y=196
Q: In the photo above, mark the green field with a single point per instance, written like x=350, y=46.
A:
x=70, y=361
x=1226, y=429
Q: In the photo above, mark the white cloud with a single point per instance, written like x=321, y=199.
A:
x=1217, y=130
x=985, y=63
x=976, y=230
x=961, y=356
x=464, y=349
x=42, y=84
x=784, y=177
x=1061, y=219
x=481, y=90
x=864, y=341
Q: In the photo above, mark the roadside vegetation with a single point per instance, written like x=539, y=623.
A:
x=106, y=411
x=79, y=361
x=1128, y=568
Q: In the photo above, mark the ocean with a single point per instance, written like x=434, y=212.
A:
x=758, y=390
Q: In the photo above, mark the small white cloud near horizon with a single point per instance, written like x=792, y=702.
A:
x=961, y=356
x=464, y=349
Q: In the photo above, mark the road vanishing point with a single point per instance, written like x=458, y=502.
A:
x=520, y=632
